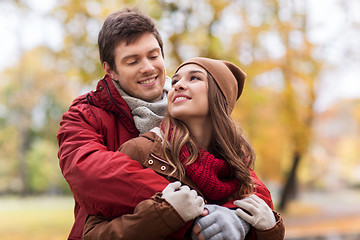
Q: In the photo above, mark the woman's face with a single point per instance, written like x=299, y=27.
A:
x=188, y=97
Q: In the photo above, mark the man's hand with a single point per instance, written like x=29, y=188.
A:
x=261, y=216
x=186, y=202
x=196, y=231
x=219, y=223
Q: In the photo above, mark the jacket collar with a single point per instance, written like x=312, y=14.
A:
x=107, y=97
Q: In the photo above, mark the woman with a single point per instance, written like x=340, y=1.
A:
x=200, y=145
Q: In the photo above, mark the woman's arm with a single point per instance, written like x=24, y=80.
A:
x=156, y=218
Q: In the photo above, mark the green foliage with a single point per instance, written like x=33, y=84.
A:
x=44, y=172
x=8, y=170
x=35, y=97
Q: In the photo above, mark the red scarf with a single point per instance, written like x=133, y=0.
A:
x=210, y=174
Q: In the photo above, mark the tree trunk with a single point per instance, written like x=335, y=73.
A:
x=23, y=167
x=290, y=190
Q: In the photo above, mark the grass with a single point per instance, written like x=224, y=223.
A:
x=33, y=218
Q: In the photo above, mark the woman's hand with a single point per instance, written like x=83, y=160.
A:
x=186, y=202
x=261, y=216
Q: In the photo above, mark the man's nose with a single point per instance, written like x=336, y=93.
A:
x=147, y=66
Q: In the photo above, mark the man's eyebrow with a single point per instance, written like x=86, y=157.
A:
x=155, y=49
x=130, y=56
x=136, y=55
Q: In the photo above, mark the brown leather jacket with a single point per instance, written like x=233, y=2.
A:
x=155, y=218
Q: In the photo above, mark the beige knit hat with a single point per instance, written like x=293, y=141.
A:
x=227, y=75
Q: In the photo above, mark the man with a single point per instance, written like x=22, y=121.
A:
x=128, y=100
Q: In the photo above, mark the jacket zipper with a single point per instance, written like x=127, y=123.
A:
x=112, y=99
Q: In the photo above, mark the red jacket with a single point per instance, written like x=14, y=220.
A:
x=104, y=181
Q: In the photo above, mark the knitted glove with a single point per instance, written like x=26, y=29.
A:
x=261, y=216
x=221, y=223
x=185, y=201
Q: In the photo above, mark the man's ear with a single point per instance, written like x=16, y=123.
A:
x=109, y=71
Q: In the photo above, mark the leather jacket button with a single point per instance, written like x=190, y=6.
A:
x=163, y=168
x=151, y=162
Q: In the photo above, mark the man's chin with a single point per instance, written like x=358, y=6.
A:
x=152, y=98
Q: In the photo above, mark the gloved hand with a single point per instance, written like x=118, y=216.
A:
x=221, y=223
x=186, y=202
x=262, y=216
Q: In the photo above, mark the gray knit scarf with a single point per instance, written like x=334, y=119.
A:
x=146, y=114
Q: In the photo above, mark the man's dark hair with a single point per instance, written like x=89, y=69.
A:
x=127, y=25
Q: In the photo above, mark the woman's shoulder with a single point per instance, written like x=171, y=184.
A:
x=139, y=148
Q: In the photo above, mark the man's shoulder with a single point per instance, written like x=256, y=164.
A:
x=79, y=100
x=80, y=104
x=89, y=98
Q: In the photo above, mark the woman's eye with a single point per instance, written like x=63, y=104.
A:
x=174, y=81
x=153, y=57
x=194, y=78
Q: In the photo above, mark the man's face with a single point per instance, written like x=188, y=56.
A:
x=140, y=68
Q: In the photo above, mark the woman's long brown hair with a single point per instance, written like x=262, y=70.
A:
x=227, y=143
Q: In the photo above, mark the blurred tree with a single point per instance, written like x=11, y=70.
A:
x=33, y=96
x=301, y=72
x=267, y=38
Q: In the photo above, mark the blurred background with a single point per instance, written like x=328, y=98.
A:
x=300, y=107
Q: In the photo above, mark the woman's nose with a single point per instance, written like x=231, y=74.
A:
x=180, y=85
